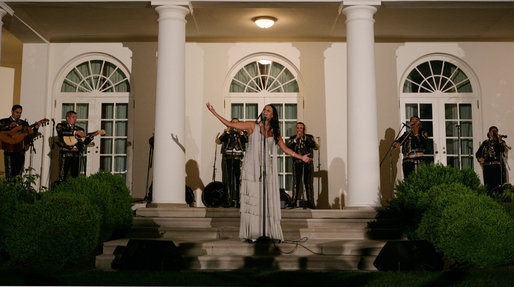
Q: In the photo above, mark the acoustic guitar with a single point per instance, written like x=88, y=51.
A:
x=17, y=138
x=73, y=140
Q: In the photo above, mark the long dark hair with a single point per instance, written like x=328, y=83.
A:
x=275, y=127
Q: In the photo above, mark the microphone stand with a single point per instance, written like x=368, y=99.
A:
x=51, y=155
x=459, y=146
x=390, y=153
x=264, y=239
x=148, y=195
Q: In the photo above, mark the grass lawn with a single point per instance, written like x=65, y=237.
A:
x=32, y=276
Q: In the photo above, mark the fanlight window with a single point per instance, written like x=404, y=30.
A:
x=269, y=76
x=437, y=76
x=96, y=76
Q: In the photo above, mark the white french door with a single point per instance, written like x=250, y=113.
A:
x=248, y=108
x=107, y=152
x=450, y=123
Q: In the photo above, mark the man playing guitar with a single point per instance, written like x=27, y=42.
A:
x=14, y=154
x=71, y=141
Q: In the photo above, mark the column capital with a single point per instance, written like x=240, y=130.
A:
x=359, y=12
x=362, y=2
x=172, y=12
x=170, y=3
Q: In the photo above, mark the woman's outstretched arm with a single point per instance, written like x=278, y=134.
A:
x=249, y=125
x=290, y=152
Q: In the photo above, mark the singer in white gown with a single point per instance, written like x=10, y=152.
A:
x=251, y=197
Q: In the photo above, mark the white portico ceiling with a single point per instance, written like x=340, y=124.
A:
x=230, y=21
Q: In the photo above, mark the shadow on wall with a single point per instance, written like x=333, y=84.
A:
x=389, y=162
x=337, y=174
x=53, y=154
x=193, y=179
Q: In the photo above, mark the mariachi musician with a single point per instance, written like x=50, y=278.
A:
x=233, y=146
x=302, y=144
x=14, y=150
x=71, y=141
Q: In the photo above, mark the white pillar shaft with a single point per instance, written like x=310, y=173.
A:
x=363, y=158
x=169, y=154
x=2, y=14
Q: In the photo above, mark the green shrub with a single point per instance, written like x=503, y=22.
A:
x=14, y=195
x=411, y=198
x=468, y=227
x=110, y=194
x=59, y=228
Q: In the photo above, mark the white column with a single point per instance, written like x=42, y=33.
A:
x=2, y=14
x=169, y=154
x=363, y=159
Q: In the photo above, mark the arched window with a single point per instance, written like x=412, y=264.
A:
x=95, y=75
x=439, y=90
x=437, y=75
x=260, y=80
x=264, y=75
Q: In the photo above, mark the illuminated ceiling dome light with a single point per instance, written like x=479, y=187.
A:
x=264, y=22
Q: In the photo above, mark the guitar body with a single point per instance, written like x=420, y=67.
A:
x=18, y=138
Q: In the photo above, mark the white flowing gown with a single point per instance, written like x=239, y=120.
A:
x=251, y=190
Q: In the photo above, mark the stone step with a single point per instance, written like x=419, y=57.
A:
x=220, y=222
x=235, y=254
x=200, y=212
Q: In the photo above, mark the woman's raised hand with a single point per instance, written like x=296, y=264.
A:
x=210, y=108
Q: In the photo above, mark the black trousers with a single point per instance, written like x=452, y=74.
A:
x=303, y=177
x=68, y=162
x=493, y=176
x=14, y=163
x=232, y=177
x=410, y=165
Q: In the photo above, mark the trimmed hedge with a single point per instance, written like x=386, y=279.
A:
x=468, y=227
x=412, y=198
x=110, y=194
x=59, y=228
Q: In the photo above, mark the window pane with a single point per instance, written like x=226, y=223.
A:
x=82, y=111
x=451, y=129
x=121, y=128
x=237, y=111
x=430, y=147
x=280, y=163
x=107, y=111
x=466, y=129
x=83, y=125
x=105, y=146
x=291, y=112
x=289, y=182
x=411, y=110
x=465, y=111
x=289, y=164
x=280, y=110
x=106, y=163
x=121, y=146
x=425, y=111
x=452, y=161
x=452, y=146
x=290, y=129
x=122, y=111
x=467, y=146
x=252, y=111
x=450, y=111
x=291, y=87
x=119, y=163
x=467, y=162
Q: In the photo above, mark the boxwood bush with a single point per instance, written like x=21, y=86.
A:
x=59, y=228
x=14, y=195
x=110, y=194
x=468, y=227
x=412, y=197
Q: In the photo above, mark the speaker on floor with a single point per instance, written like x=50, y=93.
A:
x=408, y=255
x=141, y=254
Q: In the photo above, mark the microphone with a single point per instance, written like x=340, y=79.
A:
x=406, y=125
x=264, y=117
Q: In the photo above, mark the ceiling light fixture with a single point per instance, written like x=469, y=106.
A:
x=264, y=22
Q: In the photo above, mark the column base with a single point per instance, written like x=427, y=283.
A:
x=167, y=205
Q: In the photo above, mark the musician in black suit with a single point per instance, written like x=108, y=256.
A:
x=302, y=144
x=14, y=155
x=71, y=141
x=233, y=146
